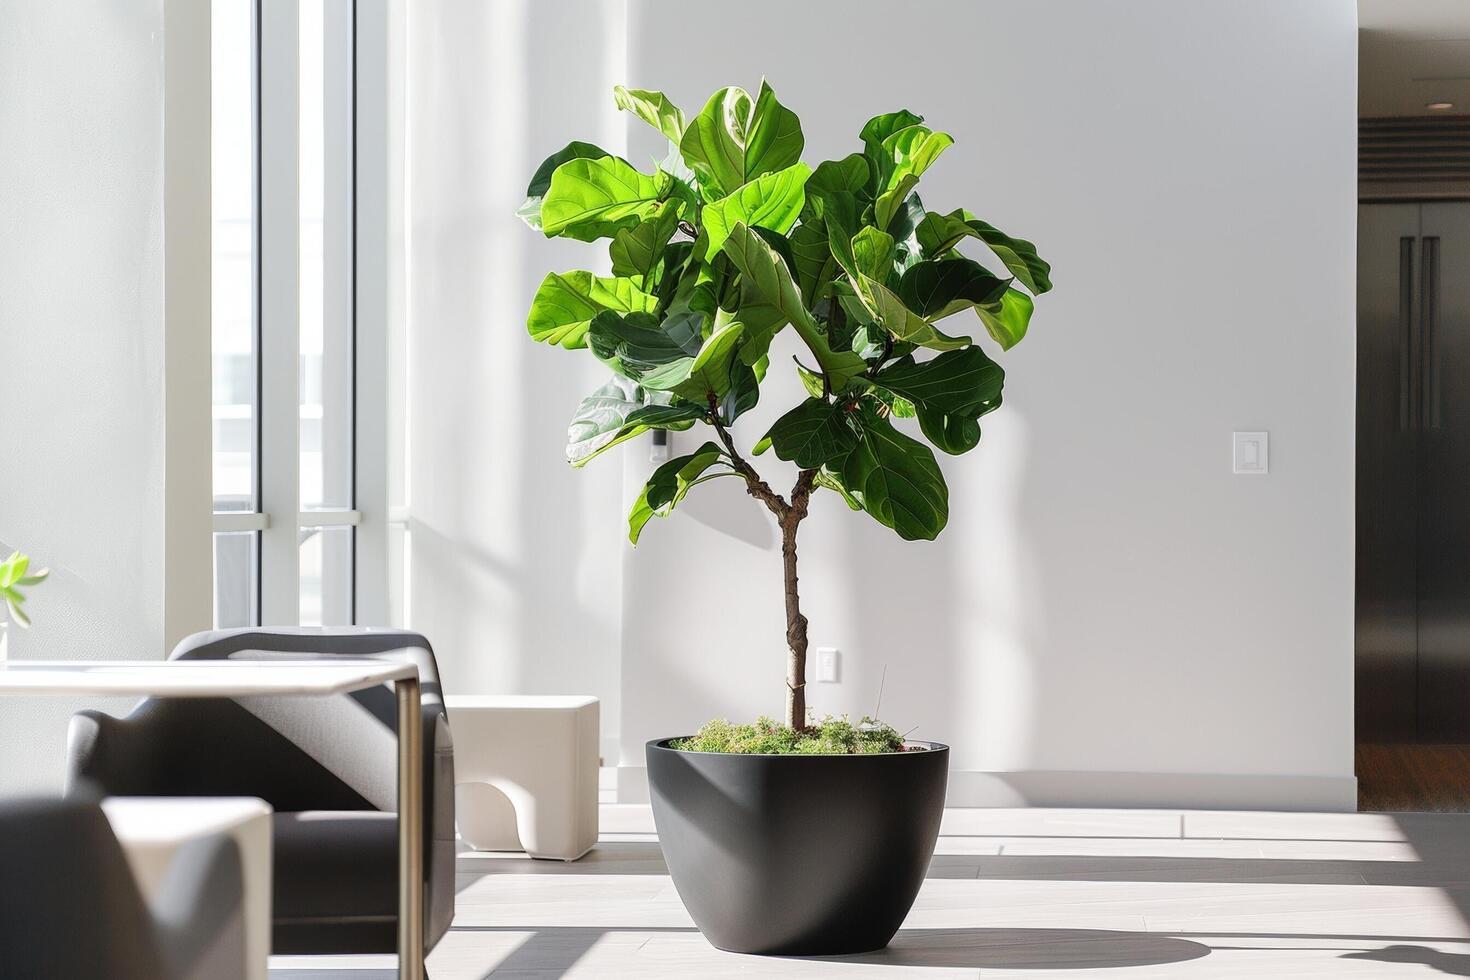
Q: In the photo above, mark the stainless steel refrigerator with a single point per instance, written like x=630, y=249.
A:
x=1413, y=484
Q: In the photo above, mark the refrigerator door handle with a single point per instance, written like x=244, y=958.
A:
x=1429, y=318
x=1406, y=333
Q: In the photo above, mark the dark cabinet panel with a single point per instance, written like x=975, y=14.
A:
x=1387, y=623
x=1413, y=489
x=1444, y=475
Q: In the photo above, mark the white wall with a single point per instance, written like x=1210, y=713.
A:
x=1109, y=606
x=81, y=344
x=514, y=558
x=1111, y=616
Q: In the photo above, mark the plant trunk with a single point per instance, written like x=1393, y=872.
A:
x=795, y=629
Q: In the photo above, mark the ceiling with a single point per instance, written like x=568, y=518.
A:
x=1413, y=52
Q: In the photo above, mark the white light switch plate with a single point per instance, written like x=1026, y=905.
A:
x=827, y=665
x=1251, y=452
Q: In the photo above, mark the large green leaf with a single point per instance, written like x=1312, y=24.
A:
x=937, y=288
x=908, y=152
x=896, y=479
x=900, y=321
x=762, y=322
x=914, y=149
x=712, y=371
x=812, y=433
x=733, y=140
x=696, y=290
x=938, y=233
x=714, y=143
x=636, y=251
x=530, y=212
x=904, y=229
x=890, y=202
x=1008, y=324
x=637, y=346
x=813, y=259
x=872, y=253
x=884, y=125
x=775, y=140
x=618, y=411
x=769, y=276
x=670, y=483
x=590, y=199
x=566, y=302
x=673, y=263
x=668, y=355
x=835, y=188
x=653, y=108
x=770, y=201
x=874, y=132
x=745, y=389
x=949, y=394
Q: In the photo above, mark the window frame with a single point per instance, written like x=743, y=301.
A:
x=279, y=523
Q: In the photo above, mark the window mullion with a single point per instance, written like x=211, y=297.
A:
x=338, y=369
x=278, y=239
x=378, y=37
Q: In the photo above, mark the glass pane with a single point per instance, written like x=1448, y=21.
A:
x=326, y=254
x=233, y=267
x=235, y=568
x=326, y=576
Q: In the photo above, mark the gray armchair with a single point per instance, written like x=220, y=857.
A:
x=327, y=766
x=70, y=907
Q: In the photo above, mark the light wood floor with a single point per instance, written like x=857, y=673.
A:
x=1023, y=893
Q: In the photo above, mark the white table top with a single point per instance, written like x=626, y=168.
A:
x=196, y=678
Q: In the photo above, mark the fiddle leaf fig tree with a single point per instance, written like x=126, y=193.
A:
x=732, y=239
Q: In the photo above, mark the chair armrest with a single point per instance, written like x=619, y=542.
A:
x=101, y=757
x=199, y=911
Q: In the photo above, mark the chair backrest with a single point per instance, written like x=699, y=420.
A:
x=344, y=749
x=352, y=737
x=69, y=905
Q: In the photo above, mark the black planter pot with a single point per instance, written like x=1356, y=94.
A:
x=798, y=855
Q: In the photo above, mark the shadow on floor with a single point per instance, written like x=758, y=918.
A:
x=1443, y=861
x=552, y=952
x=1028, y=949
x=1439, y=859
x=1438, y=840
x=1451, y=964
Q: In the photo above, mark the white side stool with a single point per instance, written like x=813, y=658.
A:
x=152, y=829
x=525, y=773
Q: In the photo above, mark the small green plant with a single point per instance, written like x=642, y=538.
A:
x=830, y=736
x=730, y=240
x=15, y=575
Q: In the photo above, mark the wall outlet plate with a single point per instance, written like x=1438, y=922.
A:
x=829, y=669
x=1251, y=452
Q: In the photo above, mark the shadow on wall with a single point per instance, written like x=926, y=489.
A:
x=514, y=560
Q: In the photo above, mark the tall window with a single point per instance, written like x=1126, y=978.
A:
x=283, y=312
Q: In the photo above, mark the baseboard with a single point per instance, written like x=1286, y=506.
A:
x=1109, y=790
